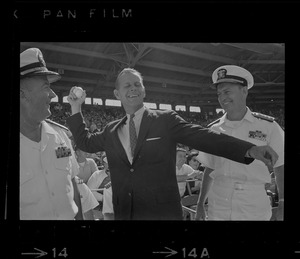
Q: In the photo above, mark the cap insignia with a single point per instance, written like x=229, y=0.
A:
x=221, y=73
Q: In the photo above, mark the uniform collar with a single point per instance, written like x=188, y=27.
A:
x=46, y=131
x=248, y=116
x=47, y=128
x=222, y=119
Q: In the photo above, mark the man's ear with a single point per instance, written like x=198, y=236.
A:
x=116, y=93
x=144, y=92
x=245, y=90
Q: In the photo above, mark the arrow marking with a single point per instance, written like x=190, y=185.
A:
x=170, y=252
x=40, y=254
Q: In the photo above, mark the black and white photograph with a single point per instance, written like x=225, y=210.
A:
x=150, y=131
x=145, y=108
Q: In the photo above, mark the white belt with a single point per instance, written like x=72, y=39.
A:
x=239, y=185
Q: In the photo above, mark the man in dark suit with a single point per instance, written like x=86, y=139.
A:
x=141, y=151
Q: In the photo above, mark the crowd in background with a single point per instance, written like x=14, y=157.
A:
x=100, y=116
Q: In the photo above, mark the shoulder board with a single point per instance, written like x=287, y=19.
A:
x=214, y=122
x=263, y=116
x=57, y=124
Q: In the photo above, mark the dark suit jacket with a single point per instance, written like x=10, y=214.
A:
x=147, y=188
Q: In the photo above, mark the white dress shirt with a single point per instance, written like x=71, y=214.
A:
x=123, y=131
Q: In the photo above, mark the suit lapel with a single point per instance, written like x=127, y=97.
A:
x=145, y=125
x=119, y=147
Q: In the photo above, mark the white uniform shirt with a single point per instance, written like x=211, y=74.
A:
x=184, y=170
x=257, y=131
x=46, y=190
x=238, y=192
x=123, y=131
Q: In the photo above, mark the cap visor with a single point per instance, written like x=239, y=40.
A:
x=225, y=80
x=51, y=76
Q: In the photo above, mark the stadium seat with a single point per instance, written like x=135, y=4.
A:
x=189, y=204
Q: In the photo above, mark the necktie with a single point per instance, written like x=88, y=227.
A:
x=132, y=134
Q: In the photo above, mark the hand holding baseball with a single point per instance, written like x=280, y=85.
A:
x=76, y=97
x=78, y=91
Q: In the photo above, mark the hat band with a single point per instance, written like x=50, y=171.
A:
x=35, y=69
x=243, y=80
x=33, y=65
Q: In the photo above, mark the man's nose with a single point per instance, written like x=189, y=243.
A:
x=52, y=94
x=132, y=88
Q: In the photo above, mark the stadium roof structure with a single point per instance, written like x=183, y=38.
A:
x=175, y=73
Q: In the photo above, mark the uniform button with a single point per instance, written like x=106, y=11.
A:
x=46, y=172
x=129, y=194
x=52, y=193
x=131, y=170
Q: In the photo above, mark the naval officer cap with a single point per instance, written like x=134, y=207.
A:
x=32, y=63
x=232, y=74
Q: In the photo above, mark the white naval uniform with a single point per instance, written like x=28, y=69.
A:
x=46, y=189
x=238, y=190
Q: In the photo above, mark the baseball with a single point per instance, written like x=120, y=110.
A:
x=78, y=91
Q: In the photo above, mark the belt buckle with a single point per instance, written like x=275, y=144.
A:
x=238, y=186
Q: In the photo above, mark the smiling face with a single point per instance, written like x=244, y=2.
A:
x=35, y=98
x=130, y=91
x=232, y=97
